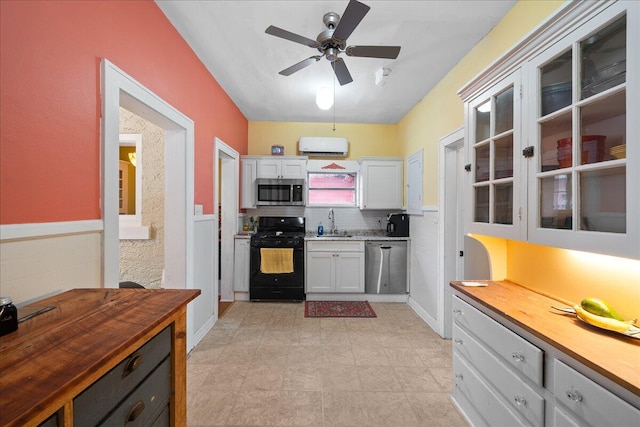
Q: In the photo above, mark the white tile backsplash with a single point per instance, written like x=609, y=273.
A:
x=349, y=219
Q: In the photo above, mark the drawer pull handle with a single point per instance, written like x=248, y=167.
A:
x=459, y=376
x=135, y=411
x=574, y=395
x=134, y=363
x=458, y=341
x=520, y=400
x=457, y=311
x=518, y=357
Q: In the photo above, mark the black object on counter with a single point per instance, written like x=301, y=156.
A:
x=8, y=316
x=398, y=225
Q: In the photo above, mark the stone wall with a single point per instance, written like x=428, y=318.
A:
x=142, y=261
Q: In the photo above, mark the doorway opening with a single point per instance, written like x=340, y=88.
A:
x=121, y=90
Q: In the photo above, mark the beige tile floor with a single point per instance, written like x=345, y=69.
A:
x=265, y=364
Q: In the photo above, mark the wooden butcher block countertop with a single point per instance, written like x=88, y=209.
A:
x=614, y=356
x=56, y=355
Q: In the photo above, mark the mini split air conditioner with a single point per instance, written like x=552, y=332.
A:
x=323, y=146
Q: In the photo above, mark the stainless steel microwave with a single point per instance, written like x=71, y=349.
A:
x=279, y=192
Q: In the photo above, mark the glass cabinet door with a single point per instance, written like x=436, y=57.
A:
x=582, y=185
x=578, y=109
x=493, y=136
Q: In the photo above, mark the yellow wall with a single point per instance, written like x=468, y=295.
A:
x=441, y=111
x=574, y=275
x=364, y=139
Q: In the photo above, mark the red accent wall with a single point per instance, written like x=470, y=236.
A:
x=50, y=56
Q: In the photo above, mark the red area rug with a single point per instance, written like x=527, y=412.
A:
x=338, y=309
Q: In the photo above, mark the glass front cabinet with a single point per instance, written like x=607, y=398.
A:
x=494, y=117
x=554, y=146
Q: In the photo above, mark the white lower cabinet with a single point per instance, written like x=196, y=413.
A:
x=589, y=402
x=482, y=406
x=561, y=419
x=241, y=264
x=335, y=266
x=508, y=367
x=518, y=396
x=498, y=379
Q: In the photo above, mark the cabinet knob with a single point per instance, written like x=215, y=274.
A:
x=134, y=363
x=520, y=400
x=457, y=311
x=574, y=395
x=458, y=341
x=518, y=357
x=134, y=412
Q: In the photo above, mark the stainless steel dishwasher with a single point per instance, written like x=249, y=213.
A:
x=385, y=267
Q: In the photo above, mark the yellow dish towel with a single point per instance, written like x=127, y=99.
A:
x=276, y=261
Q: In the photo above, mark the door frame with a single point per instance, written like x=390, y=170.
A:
x=121, y=90
x=450, y=223
x=229, y=160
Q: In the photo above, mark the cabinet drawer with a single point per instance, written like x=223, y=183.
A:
x=590, y=401
x=521, y=398
x=476, y=393
x=336, y=246
x=561, y=419
x=525, y=357
x=102, y=396
x=146, y=402
x=164, y=419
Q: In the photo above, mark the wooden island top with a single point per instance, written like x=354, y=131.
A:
x=54, y=356
x=612, y=355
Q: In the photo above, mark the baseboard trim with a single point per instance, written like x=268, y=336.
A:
x=421, y=312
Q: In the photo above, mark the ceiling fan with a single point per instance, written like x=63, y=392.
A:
x=333, y=41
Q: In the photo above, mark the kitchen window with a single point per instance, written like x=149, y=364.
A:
x=334, y=189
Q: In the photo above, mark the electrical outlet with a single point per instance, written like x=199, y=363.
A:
x=198, y=210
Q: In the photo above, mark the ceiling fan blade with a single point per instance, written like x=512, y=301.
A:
x=341, y=71
x=351, y=17
x=299, y=66
x=288, y=35
x=389, y=52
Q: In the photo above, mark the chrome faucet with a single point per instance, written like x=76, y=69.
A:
x=332, y=217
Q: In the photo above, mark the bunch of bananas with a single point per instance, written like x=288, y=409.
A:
x=598, y=313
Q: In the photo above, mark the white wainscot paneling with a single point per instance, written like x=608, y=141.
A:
x=35, y=267
x=424, y=267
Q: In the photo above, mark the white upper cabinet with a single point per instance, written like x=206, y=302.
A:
x=583, y=115
x=572, y=137
x=282, y=168
x=493, y=135
x=380, y=183
x=248, y=183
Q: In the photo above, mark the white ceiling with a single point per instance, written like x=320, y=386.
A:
x=229, y=38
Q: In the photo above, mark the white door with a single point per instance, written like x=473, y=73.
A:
x=451, y=233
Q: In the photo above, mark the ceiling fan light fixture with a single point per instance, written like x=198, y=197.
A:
x=324, y=98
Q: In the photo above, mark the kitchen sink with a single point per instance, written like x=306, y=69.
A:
x=333, y=235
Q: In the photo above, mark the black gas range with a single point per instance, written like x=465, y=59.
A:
x=277, y=259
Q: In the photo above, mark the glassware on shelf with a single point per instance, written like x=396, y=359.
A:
x=556, y=84
x=603, y=59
